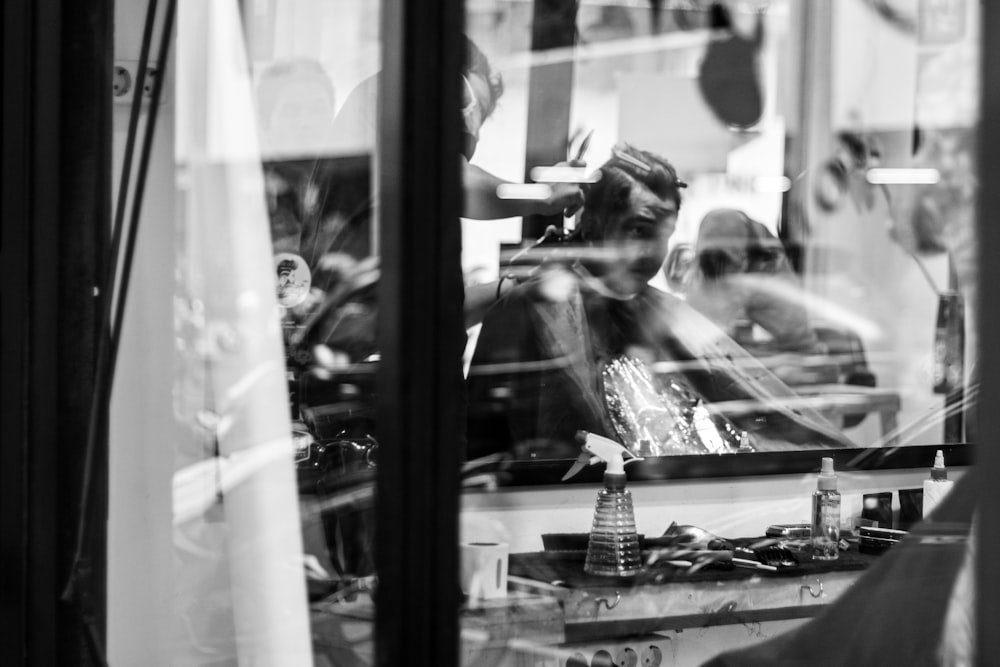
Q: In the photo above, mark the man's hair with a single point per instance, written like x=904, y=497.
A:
x=477, y=63
x=730, y=241
x=610, y=196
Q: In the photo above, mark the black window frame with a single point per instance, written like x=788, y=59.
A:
x=57, y=65
x=420, y=334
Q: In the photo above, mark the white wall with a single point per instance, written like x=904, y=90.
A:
x=874, y=70
x=140, y=548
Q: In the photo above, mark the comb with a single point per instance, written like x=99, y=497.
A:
x=773, y=558
x=628, y=159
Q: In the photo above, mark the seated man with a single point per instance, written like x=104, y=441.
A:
x=549, y=358
x=743, y=281
x=742, y=276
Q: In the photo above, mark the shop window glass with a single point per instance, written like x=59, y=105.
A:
x=701, y=230
x=275, y=310
x=774, y=263
x=813, y=290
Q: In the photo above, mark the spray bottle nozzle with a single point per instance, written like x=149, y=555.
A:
x=598, y=448
x=827, y=477
x=826, y=465
x=939, y=472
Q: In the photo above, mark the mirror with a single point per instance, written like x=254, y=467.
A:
x=774, y=256
x=816, y=284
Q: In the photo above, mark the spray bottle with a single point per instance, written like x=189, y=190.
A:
x=937, y=485
x=826, y=514
x=613, y=549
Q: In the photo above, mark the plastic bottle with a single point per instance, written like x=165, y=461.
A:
x=613, y=548
x=826, y=514
x=937, y=485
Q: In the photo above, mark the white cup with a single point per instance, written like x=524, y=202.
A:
x=484, y=569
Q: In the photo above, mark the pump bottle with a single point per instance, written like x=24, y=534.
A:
x=937, y=485
x=613, y=548
x=826, y=514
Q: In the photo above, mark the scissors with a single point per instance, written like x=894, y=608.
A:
x=577, y=160
x=581, y=151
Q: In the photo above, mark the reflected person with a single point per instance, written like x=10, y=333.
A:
x=743, y=281
x=482, y=88
x=354, y=137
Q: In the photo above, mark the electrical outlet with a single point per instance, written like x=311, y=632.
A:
x=627, y=657
x=652, y=656
x=122, y=82
x=126, y=76
x=643, y=651
x=602, y=658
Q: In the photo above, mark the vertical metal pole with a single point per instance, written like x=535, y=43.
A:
x=988, y=417
x=421, y=335
x=550, y=89
x=808, y=132
x=955, y=414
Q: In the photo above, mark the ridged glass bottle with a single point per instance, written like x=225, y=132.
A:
x=613, y=549
x=826, y=514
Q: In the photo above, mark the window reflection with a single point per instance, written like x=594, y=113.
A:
x=577, y=344
x=738, y=279
x=315, y=65
x=826, y=287
x=823, y=280
x=837, y=303
x=826, y=282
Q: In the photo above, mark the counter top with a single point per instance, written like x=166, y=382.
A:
x=551, y=601
x=669, y=598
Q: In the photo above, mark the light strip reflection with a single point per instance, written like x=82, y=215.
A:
x=523, y=191
x=887, y=176
x=564, y=175
x=771, y=184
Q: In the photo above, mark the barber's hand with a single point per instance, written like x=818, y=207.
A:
x=566, y=197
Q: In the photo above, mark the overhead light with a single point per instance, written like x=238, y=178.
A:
x=886, y=176
x=523, y=191
x=564, y=175
x=771, y=184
